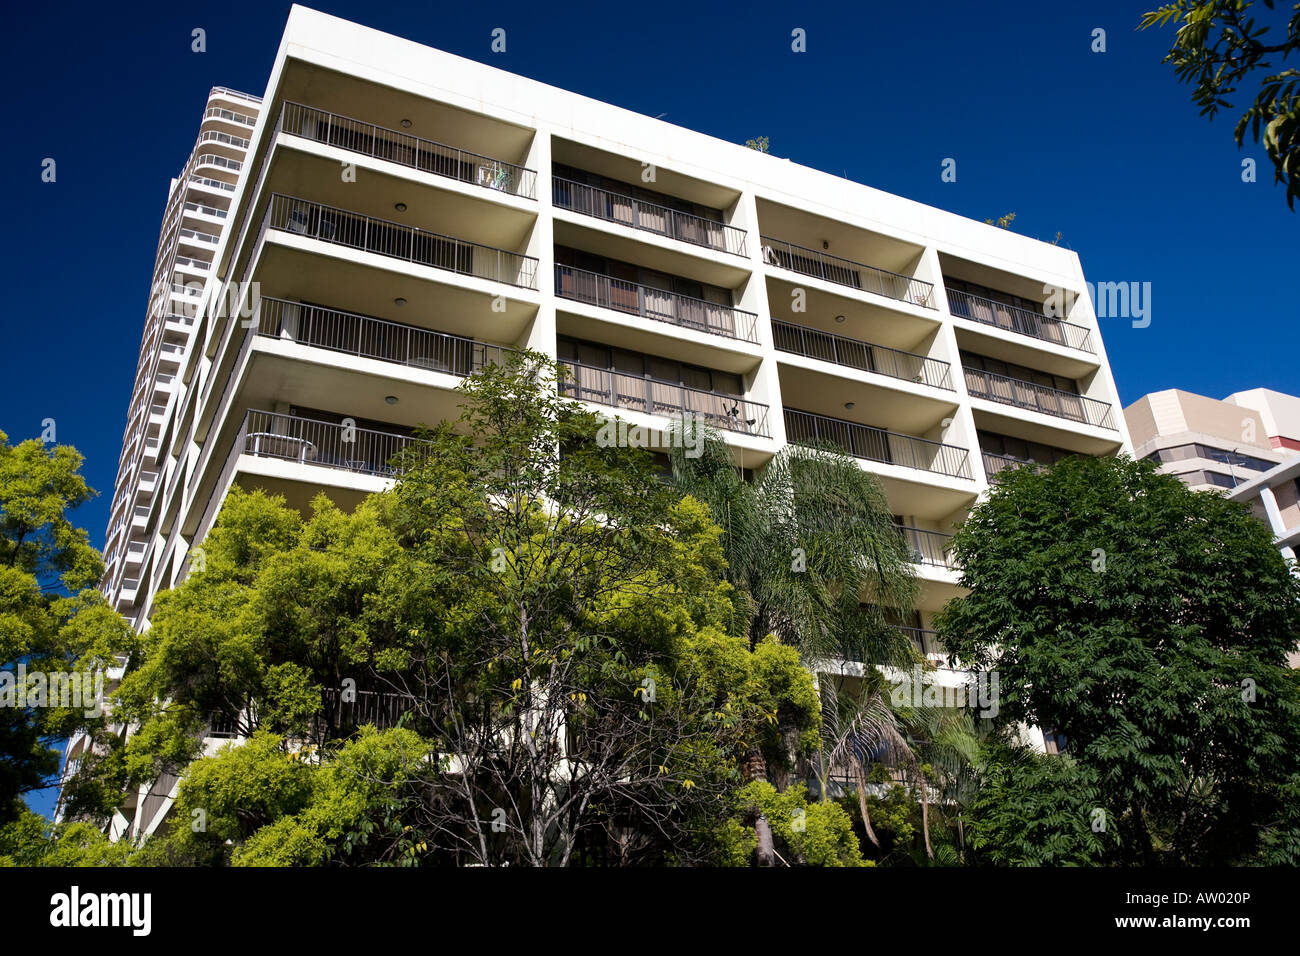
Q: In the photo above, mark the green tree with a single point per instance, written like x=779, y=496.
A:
x=1033, y=809
x=1218, y=47
x=760, y=144
x=816, y=560
x=552, y=621
x=52, y=619
x=1149, y=624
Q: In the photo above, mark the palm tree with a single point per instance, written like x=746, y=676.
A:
x=806, y=542
x=858, y=727
x=945, y=747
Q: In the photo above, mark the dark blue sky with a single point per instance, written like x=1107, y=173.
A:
x=1106, y=148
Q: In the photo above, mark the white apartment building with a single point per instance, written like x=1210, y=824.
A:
x=405, y=215
x=198, y=203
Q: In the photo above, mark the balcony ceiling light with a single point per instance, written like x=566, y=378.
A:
x=839, y=318
x=399, y=301
x=400, y=206
x=849, y=404
x=406, y=124
x=391, y=399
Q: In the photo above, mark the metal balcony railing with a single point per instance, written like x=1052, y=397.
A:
x=216, y=112
x=212, y=159
x=640, y=393
x=657, y=304
x=227, y=91
x=927, y=547
x=357, y=231
x=225, y=139
x=876, y=444
x=205, y=210
x=311, y=442
x=647, y=216
x=996, y=463
x=213, y=183
x=857, y=275
x=1038, y=398
x=376, y=338
x=1016, y=319
x=927, y=642
x=397, y=147
x=380, y=708
x=853, y=353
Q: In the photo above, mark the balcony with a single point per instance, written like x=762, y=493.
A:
x=327, y=444
x=640, y=393
x=646, y=216
x=927, y=547
x=996, y=463
x=1015, y=319
x=1037, y=398
x=876, y=444
x=329, y=224
x=846, y=272
x=927, y=642
x=406, y=150
x=380, y=339
x=657, y=304
x=216, y=112
x=864, y=356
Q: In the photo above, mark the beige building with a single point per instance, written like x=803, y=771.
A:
x=1210, y=443
x=405, y=216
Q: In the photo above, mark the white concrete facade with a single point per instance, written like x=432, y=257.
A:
x=843, y=321
x=404, y=214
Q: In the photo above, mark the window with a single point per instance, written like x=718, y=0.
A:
x=655, y=367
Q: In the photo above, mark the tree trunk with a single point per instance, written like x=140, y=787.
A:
x=925, y=816
x=756, y=769
x=861, y=774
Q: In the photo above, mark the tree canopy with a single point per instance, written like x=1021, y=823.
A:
x=1149, y=625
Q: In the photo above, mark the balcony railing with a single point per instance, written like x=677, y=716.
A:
x=876, y=444
x=1016, y=319
x=382, y=709
x=640, y=393
x=996, y=463
x=928, y=643
x=216, y=112
x=403, y=148
x=376, y=338
x=648, y=216
x=857, y=275
x=212, y=159
x=852, y=353
x=225, y=139
x=634, y=299
x=927, y=547
x=329, y=224
x=311, y=442
x=1038, y=398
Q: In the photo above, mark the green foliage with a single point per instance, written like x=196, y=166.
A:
x=761, y=144
x=807, y=834
x=1040, y=810
x=1139, y=619
x=557, y=628
x=1218, y=47
x=804, y=543
x=51, y=617
x=1003, y=222
x=31, y=840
